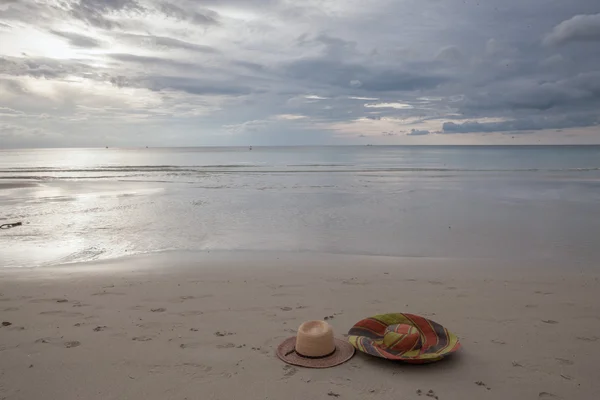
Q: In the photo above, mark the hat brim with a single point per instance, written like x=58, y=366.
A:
x=367, y=336
x=343, y=352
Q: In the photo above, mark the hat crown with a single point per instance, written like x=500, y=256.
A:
x=402, y=338
x=315, y=339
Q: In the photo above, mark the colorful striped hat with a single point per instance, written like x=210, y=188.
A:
x=404, y=337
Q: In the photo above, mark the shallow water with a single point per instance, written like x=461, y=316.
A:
x=534, y=202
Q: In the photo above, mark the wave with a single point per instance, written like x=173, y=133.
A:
x=257, y=168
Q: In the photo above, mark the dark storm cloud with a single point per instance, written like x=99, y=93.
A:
x=78, y=40
x=193, y=86
x=351, y=75
x=576, y=92
x=525, y=124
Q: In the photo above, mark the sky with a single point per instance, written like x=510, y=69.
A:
x=84, y=73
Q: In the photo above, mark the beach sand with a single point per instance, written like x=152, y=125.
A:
x=16, y=185
x=205, y=326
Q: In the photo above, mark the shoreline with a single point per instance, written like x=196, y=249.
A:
x=145, y=326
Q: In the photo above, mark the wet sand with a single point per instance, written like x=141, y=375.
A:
x=197, y=325
x=16, y=185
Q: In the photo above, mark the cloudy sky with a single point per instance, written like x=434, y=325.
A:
x=277, y=72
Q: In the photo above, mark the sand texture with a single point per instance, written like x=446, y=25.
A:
x=205, y=326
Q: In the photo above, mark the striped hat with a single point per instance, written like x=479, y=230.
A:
x=404, y=337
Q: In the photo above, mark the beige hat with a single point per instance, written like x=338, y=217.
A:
x=315, y=347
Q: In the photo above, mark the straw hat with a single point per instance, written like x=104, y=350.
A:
x=315, y=347
x=404, y=337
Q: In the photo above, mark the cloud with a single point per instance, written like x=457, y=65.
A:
x=9, y=112
x=173, y=11
x=77, y=40
x=151, y=61
x=524, y=124
x=247, y=127
x=450, y=54
x=97, y=12
x=41, y=67
x=343, y=74
x=415, y=132
x=582, y=90
x=163, y=42
x=399, y=106
x=363, y=98
x=285, y=72
x=580, y=28
x=289, y=117
x=193, y=85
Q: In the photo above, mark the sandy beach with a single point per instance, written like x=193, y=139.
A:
x=205, y=326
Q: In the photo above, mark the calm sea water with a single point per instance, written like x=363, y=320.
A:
x=525, y=202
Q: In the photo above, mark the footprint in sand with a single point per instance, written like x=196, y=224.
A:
x=59, y=342
x=181, y=299
x=62, y=313
x=546, y=395
x=190, y=345
x=149, y=325
x=54, y=300
x=226, y=346
x=564, y=361
x=588, y=339
x=16, y=328
x=191, y=313
x=141, y=338
x=196, y=367
x=549, y=321
x=260, y=350
x=10, y=309
x=354, y=282
x=105, y=293
x=288, y=371
x=224, y=333
x=158, y=309
x=483, y=384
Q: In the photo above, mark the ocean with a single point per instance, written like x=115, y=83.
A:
x=509, y=202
